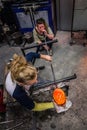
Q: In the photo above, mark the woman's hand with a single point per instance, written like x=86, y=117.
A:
x=46, y=57
x=50, y=36
x=44, y=32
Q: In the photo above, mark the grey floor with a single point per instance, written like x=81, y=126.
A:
x=67, y=60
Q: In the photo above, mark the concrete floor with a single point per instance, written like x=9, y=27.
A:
x=67, y=60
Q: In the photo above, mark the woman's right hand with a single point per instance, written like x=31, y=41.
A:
x=46, y=57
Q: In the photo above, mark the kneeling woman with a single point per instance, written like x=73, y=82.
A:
x=21, y=77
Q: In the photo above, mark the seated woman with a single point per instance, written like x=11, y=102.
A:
x=42, y=33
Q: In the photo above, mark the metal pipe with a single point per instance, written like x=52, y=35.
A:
x=66, y=79
x=54, y=78
x=37, y=45
x=5, y=122
x=52, y=69
x=20, y=123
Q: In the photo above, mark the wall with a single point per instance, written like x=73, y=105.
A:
x=80, y=15
x=64, y=14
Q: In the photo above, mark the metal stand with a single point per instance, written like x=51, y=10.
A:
x=23, y=49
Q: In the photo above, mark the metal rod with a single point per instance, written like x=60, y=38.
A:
x=14, y=127
x=73, y=9
x=4, y=122
x=54, y=78
x=37, y=45
x=19, y=124
x=52, y=69
x=66, y=79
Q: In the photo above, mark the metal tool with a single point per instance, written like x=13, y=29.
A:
x=48, y=83
x=52, y=69
x=5, y=122
x=24, y=120
x=37, y=45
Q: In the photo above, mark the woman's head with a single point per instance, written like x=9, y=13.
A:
x=23, y=72
x=41, y=24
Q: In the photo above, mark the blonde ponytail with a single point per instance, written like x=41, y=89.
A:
x=21, y=70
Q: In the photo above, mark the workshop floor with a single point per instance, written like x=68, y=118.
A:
x=67, y=60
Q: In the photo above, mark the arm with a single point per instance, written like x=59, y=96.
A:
x=46, y=57
x=32, y=55
x=21, y=96
x=49, y=34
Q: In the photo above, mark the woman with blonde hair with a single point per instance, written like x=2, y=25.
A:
x=21, y=76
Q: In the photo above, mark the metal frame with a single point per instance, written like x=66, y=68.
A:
x=40, y=7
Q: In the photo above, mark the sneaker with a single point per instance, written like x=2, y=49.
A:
x=51, y=52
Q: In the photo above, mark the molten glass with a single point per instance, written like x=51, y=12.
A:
x=59, y=96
